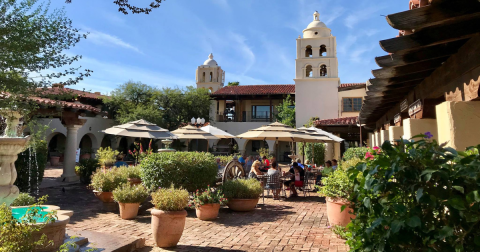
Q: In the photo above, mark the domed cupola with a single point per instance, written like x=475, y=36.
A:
x=210, y=61
x=316, y=28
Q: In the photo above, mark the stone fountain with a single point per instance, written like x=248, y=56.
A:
x=167, y=143
x=10, y=146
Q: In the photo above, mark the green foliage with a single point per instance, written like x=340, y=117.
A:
x=417, y=196
x=17, y=235
x=107, y=156
x=33, y=41
x=133, y=172
x=337, y=185
x=85, y=169
x=108, y=180
x=225, y=159
x=167, y=107
x=265, y=152
x=242, y=189
x=319, y=155
x=127, y=193
x=286, y=112
x=170, y=199
x=358, y=152
x=234, y=83
x=24, y=199
x=189, y=170
x=341, y=232
x=345, y=165
x=31, y=165
x=209, y=196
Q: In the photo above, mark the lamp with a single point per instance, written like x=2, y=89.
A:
x=193, y=120
x=203, y=120
x=199, y=120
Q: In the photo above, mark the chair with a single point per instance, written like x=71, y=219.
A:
x=305, y=185
x=272, y=183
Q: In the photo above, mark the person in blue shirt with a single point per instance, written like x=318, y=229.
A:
x=242, y=160
x=120, y=161
x=334, y=164
x=299, y=163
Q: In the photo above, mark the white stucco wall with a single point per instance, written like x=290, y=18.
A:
x=316, y=98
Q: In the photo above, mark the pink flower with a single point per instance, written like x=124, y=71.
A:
x=376, y=148
x=369, y=155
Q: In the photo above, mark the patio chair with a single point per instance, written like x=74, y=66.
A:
x=304, y=186
x=272, y=183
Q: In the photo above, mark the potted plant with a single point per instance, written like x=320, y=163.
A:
x=336, y=188
x=107, y=156
x=61, y=151
x=54, y=159
x=129, y=198
x=207, y=203
x=133, y=174
x=104, y=182
x=86, y=153
x=242, y=194
x=168, y=216
x=85, y=169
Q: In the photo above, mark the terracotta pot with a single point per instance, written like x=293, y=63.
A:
x=54, y=161
x=85, y=156
x=128, y=211
x=242, y=205
x=335, y=214
x=208, y=211
x=167, y=227
x=134, y=181
x=61, y=157
x=106, y=197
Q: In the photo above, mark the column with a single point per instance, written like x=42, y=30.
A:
x=336, y=148
x=70, y=150
x=377, y=139
x=383, y=136
x=458, y=124
x=329, y=149
x=371, y=140
x=395, y=133
x=413, y=127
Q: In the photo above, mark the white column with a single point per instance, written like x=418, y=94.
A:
x=395, y=133
x=70, y=149
x=383, y=136
x=329, y=151
x=413, y=127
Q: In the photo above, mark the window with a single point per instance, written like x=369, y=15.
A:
x=308, y=51
x=352, y=104
x=211, y=76
x=308, y=71
x=203, y=78
x=260, y=112
x=323, y=50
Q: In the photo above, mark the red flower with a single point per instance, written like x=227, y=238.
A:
x=369, y=155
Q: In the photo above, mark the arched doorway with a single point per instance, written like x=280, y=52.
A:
x=56, y=145
x=106, y=142
x=86, y=147
x=252, y=147
x=226, y=146
x=123, y=146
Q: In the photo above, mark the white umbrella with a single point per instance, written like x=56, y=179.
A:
x=217, y=132
x=140, y=129
x=328, y=134
x=189, y=132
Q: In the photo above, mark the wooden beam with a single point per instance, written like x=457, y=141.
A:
x=401, y=86
x=401, y=79
x=390, y=72
x=437, y=13
x=434, y=35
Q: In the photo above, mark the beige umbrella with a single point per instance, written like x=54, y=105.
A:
x=318, y=138
x=217, y=132
x=189, y=132
x=140, y=129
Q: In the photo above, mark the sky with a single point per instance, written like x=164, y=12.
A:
x=254, y=41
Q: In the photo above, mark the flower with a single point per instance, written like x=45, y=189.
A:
x=376, y=148
x=428, y=135
x=369, y=155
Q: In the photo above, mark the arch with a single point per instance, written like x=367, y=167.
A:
x=308, y=51
x=323, y=70
x=323, y=50
x=308, y=71
x=226, y=145
x=211, y=77
x=210, y=89
x=123, y=145
x=203, y=77
x=56, y=144
x=106, y=141
x=252, y=146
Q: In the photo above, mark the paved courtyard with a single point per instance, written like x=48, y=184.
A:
x=298, y=224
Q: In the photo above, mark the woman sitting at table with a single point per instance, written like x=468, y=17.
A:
x=327, y=170
x=266, y=162
x=273, y=171
x=297, y=174
x=255, y=170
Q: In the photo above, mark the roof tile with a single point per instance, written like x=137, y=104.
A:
x=256, y=90
x=338, y=121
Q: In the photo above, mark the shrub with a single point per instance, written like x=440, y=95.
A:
x=341, y=232
x=344, y=165
x=225, y=159
x=242, y=189
x=189, y=170
x=31, y=165
x=24, y=199
x=209, y=196
x=127, y=193
x=417, y=196
x=134, y=172
x=170, y=199
x=85, y=169
x=336, y=185
x=318, y=155
x=358, y=152
x=264, y=152
x=108, y=180
x=107, y=156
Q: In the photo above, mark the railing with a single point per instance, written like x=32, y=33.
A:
x=247, y=116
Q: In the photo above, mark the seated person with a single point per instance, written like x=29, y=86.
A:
x=120, y=161
x=297, y=179
x=219, y=164
x=299, y=162
x=334, y=164
x=327, y=170
x=266, y=162
x=242, y=160
x=275, y=188
x=307, y=164
x=255, y=170
x=248, y=164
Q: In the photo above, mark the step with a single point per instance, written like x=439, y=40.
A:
x=107, y=242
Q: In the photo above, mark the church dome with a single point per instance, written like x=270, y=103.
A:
x=316, y=24
x=210, y=61
x=316, y=28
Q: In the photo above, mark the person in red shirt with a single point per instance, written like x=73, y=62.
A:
x=266, y=162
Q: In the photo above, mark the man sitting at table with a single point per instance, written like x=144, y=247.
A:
x=242, y=160
x=327, y=170
x=299, y=162
x=297, y=174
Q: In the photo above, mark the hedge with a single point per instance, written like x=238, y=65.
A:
x=30, y=167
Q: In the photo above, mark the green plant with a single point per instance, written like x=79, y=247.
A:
x=341, y=232
x=286, y=112
x=170, y=199
x=189, y=170
x=264, y=152
x=416, y=196
x=132, y=172
x=17, y=235
x=31, y=165
x=319, y=155
x=85, y=169
x=225, y=159
x=209, y=196
x=24, y=199
x=127, y=193
x=242, y=189
x=337, y=185
x=107, y=156
x=107, y=180
x=86, y=151
x=344, y=165
x=358, y=152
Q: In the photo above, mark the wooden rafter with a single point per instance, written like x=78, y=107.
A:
x=390, y=72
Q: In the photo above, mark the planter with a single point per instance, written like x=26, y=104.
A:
x=61, y=157
x=54, y=161
x=242, y=205
x=128, y=211
x=208, y=211
x=134, y=181
x=167, y=227
x=335, y=214
x=85, y=156
x=106, y=197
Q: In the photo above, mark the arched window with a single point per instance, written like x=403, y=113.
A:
x=323, y=70
x=211, y=76
x=308, y=51
x=323, y=50
x=203, y=78
x=210, y=89
x=308, y=71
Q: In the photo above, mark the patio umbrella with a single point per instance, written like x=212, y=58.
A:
x=189, y=132
x=325, y=133
x=140, y=129
x=320, y=138
x=217, y=132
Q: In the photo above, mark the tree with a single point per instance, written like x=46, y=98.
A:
x=124, y=6
x=286, y=112
x=32, y=42
x=235, y=83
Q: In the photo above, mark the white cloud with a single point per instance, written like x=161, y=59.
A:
x=105, y=39
x=222, y=3
x=239, y=43
x=361, y=14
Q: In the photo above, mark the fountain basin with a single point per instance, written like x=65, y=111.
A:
x=9, y=147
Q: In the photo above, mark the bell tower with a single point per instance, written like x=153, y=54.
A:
x=316, y=74
x=210, y=75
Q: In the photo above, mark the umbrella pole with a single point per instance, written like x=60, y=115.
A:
x=303, y=152
x=313, y=153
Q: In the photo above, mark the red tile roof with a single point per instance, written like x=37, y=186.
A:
x=256, y=90
x=338, y=121
x=65, y=104
x=352, y=84
x=57, y=90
